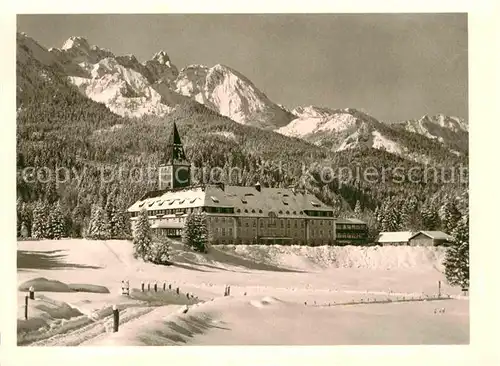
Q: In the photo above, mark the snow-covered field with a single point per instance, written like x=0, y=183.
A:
x=279, y=295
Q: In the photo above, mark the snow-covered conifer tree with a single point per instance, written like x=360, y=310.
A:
x=40, y=221
x=195, y=233
x=457, y=256
x=142, y=236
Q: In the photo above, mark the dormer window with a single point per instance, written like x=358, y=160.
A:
x=315, y=204
x=246, y=211
x=142, y=204
x=253, y=211
x=151, y=204
x=280, y=212
x=214, y=199
x=194, y=199
x=181, y=201
x=243, y=200
x=260, y=211
x=285, y=203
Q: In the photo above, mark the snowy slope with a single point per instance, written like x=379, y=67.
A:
x=231, y=94
x=339, y=129
x=448, y=130
x=342, y=129
x=126, y=86
x=313, y=119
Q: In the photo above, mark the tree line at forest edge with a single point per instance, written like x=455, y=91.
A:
x=59, y=127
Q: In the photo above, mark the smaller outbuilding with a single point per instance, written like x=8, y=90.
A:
x=394, y=237
x=430, y=238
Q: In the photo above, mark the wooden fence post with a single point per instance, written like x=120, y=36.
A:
x=439, y=288
x=164, y=286
x=32, y=293
x=142, y=286
x=149, y=286
x=26, y=299
x=177, y=290
x=169, y=286
x=156, y=287
x=116, y=319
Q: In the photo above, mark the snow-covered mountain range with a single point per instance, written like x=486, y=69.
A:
x=231, y=94
x=349, y=128
x=451, y=131
x=155, y=87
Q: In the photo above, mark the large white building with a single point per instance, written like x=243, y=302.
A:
x=242, y=215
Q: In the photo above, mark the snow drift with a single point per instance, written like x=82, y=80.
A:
x=323, y=257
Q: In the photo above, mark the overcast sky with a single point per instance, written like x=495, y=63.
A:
x=392, y=66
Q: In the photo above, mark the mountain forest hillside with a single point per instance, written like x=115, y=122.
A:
x=62, y=130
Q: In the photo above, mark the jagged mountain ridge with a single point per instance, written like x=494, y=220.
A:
x=349, y=128
x=156, y=87
x=231, y=94
x=451, y=131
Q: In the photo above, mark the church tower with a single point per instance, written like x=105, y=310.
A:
x=177, y=172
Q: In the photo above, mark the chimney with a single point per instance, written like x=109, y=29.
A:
x=257, y=186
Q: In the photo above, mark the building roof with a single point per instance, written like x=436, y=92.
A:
x=439, y=235
x=244, y=200
x=394, y=236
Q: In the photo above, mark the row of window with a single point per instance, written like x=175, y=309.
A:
x=307, y=212
x=351, y=236
x=277, y=241
x=319, y=213
x=167, y=232
x=226, y=210
x=350, y=227
x=176, y=211
x=272, y=222
x=220, y=231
